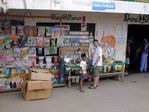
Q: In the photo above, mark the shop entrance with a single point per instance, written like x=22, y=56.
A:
x=136, y=35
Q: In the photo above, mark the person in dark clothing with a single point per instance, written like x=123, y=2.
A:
x=144, y=56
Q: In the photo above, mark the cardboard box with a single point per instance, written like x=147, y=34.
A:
x=37, y=94
x=36, y=89
x=38, y=85
x=39, y=70
x=40, y=76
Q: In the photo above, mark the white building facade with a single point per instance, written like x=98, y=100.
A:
x=111, y=18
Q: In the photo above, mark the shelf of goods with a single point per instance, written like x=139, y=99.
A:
x=29, y=46
x=74, y=44
x=109, y=70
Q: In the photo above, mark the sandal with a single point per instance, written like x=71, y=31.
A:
x=92, y=87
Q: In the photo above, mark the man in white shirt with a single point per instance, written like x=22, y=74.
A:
x=97, y=62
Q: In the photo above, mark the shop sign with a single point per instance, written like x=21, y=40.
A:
x=68, y=17
x=103, y=5
x=136, y=19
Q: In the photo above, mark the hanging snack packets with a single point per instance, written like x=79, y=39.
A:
x=39, y=41
x=24, y=51
x=41, y=31
x=47, y=51
x=46, y=42
x=32, y=41
x=13, y=30
x=53, y=42
x=48, y=31
x=32, y=51
x=16, y=52
x=20, y=30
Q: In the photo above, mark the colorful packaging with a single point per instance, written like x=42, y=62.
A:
x=41, y=62
x=7, y=30
x=48, y=61
x=47, y=51
x=58, y=32
x=1, y=41
x=32, y=51
x=20, y=30
x=16, y=52
x=13, y=30
x=24, y=51
x=22, y=41
x=6, y=72
x=9, y=52
x=7, y=42
x=34, y=31
x=40, y=51
x=46, y=42
x=30, y=31
x=53, y=50
x=2, y=60
x=55, y=59
x=39, y=41
x=48, y=31
x=10, y=60
x=27, y=30
x=14, y=39
x=32, y=41
x=41, y=31
x=60, y=42
x=53, y=42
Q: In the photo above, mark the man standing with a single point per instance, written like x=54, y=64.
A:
x=97, y=62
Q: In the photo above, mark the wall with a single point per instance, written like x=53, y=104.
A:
x=113, y=25
x=106, y=25
x=111, y=6
x=29, y=4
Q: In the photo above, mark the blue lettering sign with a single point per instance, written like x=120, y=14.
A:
x=103, y=5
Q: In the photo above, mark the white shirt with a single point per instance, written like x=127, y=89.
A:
x=97, y=53
x=83, y=65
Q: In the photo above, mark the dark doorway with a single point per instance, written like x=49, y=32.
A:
x=73, y=26
x=136, y=35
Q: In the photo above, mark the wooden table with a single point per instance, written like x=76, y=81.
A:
x=69, y=69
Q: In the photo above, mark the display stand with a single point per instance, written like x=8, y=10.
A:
x=31, y=46
x=74, y=44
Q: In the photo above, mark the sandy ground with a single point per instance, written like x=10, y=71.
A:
x=132, y=95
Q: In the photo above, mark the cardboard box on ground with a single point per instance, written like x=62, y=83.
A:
x=33, y=90
x=39, y=85
x=40, y=74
